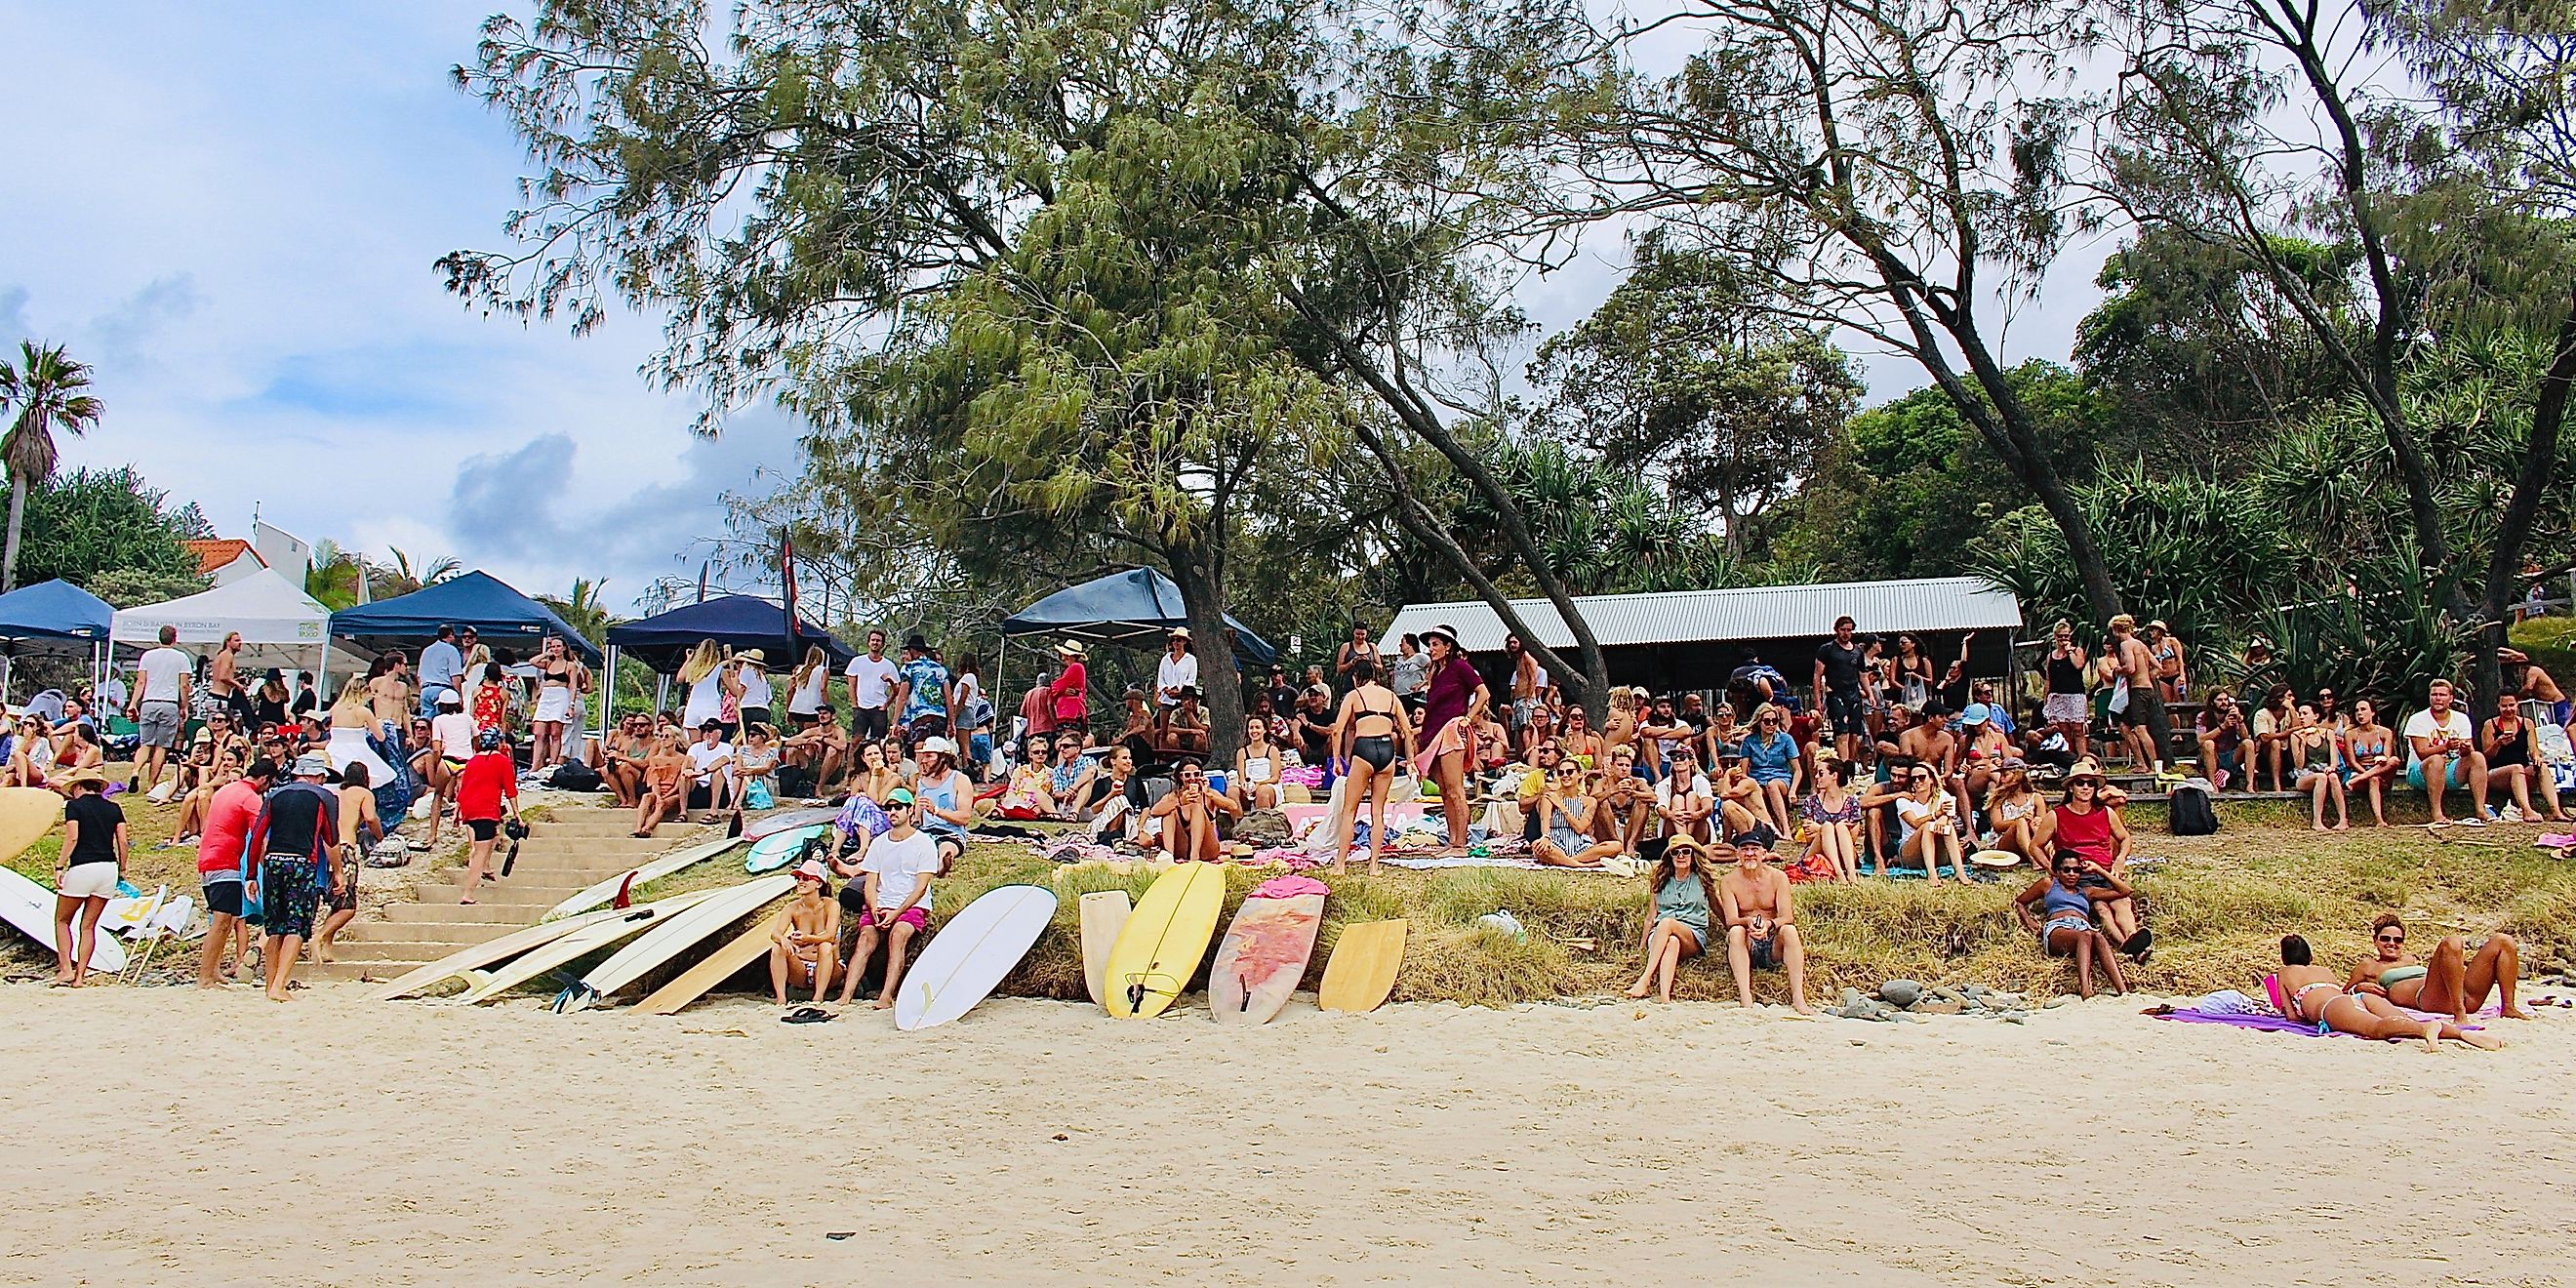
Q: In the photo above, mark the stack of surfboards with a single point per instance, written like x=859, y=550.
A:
x=643, y=938
x=26, y=815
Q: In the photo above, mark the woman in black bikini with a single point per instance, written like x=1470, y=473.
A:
x=1370, y=730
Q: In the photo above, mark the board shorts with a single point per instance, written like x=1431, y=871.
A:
x=332, y=898
x=158, y=723
x=868, y=723
x=484, y=829
x=1846, y=712
x=913, y=916
x=221, y=891
x=1523, y=711
x=92, y=880
x=289, y=892
x=2451, y=773
x=1763, y=954
x=2062, y=708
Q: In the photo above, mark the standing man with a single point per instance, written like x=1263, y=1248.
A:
x=1353, y=651
x=921, y=691
x=2133, y=668
x=1069, y=693
x=1526, y=686
x=159, y=707
x=2442, y=740
x=442, y=664
x=870, y=680
x=230, y=815
x=298, y=839
x=1839, y=663
x=1178, y=669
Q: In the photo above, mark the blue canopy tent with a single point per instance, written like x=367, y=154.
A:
x=736, y=621
x=478, y=599
x=53, y=616
x=1133, y=609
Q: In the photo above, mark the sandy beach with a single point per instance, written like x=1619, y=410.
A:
x=155, y=1133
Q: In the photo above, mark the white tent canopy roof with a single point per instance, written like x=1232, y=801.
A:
x=280, y=625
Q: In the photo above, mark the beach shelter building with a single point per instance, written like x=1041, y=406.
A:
x=498, y=613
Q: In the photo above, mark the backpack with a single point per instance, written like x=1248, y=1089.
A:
x=2188, y=810
x=574, y=776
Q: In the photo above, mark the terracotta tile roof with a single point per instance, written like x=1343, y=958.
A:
x=218, y=552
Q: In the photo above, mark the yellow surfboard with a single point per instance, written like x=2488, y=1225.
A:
x=1362, y=971
x=1160, y=947
x=1103, y=915
x=26, y=814
x=719, y=966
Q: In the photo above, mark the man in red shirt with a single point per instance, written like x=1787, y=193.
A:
x=226, y=834
x=487, y=780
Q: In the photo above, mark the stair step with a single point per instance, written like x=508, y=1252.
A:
x=402, y=950
x=497, y=912
x=344, y=970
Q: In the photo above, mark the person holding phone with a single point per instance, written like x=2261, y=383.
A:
x=1188, y=815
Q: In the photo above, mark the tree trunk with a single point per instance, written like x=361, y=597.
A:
x=2504, y=563
x=17, y=513
x=1194, y=568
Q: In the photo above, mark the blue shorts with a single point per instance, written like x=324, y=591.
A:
x=2451, y=773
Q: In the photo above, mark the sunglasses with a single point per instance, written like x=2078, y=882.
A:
x=2390, y=939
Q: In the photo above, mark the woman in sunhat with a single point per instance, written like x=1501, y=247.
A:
x=85, y=872
x=1454, y=700
x=1068, y=691
x=751, y=673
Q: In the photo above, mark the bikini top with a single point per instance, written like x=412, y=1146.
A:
x=1372, y=713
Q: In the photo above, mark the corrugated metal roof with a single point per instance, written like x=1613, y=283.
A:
x=1741, y=613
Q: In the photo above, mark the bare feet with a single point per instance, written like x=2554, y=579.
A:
x=2433, y=1036
x=2516, y=1013
x=1640, y=990
x=2482, y=1039
x=885, y=1004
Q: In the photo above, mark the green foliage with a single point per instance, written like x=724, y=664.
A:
x=2181, y=547
x=136, y=587
x=89, y=522
x=48, y=393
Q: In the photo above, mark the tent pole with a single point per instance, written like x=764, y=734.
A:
x=1001, y=686
x=607, y=696
x=661, y=695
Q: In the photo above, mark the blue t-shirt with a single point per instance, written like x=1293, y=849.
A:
x=929, y=681
x=1768, y=759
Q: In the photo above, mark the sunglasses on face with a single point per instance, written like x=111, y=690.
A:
x=2391, y=939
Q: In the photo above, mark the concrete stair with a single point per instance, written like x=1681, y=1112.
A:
x=576, y=848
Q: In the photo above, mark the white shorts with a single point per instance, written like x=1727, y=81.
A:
x=89, y=881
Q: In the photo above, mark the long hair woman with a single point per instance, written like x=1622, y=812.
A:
x=1370, y=729
x=1685, y=895
x=805, y=687
x=554, y=703
x=698, y=674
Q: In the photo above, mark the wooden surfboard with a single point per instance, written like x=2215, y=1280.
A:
x=26, y=815
x=1164, y=939
x=599, y=936
x=1262, y=957
x=1362, y=971
x=719, y=966
x=478, y=956
x=1104, y=914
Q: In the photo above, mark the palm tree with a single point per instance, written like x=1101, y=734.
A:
x=582, y=610
x=401, y=578
x=337, y=575
x=47, y=389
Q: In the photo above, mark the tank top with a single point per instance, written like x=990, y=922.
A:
x=2064, y=676
x=756, y=693
x=2087, y=834
x=2515, y=751
x=942, y=793
x=2060, y=901
x=706, y=699
x=2318, y=755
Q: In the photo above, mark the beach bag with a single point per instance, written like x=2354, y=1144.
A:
x=795, y=780
x=391, y=852
x=2188, y=811
x=574, y=776
x=755, y=796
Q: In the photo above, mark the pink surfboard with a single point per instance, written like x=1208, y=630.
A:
x=1262, y=957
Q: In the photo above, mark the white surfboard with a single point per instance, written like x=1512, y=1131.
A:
x=971, y=954
x=474, y=957
x=778, y=849
x=598, y=896
x=675, y=936
x=30, y=907
x=788, y=820
x=617, y=928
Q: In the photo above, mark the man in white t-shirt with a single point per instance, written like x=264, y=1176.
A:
x=1178, y=670
x=158, y=708
x=893, y=900
x=711, y=767
x=2442, y=741
x=870, y=677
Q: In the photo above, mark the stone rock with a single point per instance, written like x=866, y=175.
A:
x=1938, y=1006
x=1901, y=992
x=2016, y=1017
x=2060, y=1000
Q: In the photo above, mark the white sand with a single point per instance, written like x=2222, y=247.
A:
x=152, y=1135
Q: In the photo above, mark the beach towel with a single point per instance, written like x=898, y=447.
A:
x=1290, y=887
x=2269, y=1021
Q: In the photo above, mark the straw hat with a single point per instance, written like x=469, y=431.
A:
x=1179, y=633
x=1071, y=648
x=1443, y=631
x=79, y=777
x=2085, y=768
x=754, y=656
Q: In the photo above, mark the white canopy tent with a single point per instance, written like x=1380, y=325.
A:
x=280, y=625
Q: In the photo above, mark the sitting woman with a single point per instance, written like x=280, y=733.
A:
x=2371, y=759
x=806, y=947
x=1255, y=784
x=2069, y=930
x=2091, y=829
x=1833, y=816
x=2451, y=982
x=1188, y=815
x=2015, y=812
x=1105, y=805
x=192, y=807
x=2310, y=993
x=1578, y=744
x=1565, y=812
x=1137, y=734
x=1686, y=901
x=2316, y=757
x=1723, y=738
x=1770, y=757
x=755, y=768
x=876, y=776
x=31, y=755
x=1927, y=821
x=75, y=749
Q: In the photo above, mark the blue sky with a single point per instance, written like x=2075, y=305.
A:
x=231, y=211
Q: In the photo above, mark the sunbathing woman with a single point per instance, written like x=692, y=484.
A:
x=2452, y=980
x=1686, y=900
x=2069, y=931
x=2310, y=992
x=1369, y=732
x=806, y=947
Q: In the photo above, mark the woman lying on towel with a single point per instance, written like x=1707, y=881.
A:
x=2310, y=992
x=2453, y=980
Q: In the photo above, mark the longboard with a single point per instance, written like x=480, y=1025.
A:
x=676, y=936
x=616, y=929
x=30, y=907
x=778, y=849
x=600, y=895
x=1104, y=914
x=971, y=954
x=717, y=967
x=26, y=815
x=1362, y=971
x=1160, y=947
x=478, y=956
x=1263, y=955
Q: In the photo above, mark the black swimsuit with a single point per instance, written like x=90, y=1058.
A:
x=1377, y=749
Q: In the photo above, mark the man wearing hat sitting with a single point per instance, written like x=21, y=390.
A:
x=1182, y=729
x=1761, y=925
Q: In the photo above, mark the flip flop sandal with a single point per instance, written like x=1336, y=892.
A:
x=805, y=1015
x=2138, y=944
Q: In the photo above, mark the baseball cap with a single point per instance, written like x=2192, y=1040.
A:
x=810, y=868
x=899, y=796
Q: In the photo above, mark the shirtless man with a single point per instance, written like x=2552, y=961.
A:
x=389, y=697
x=823, y=747
x=1622, y=803
x=2133, y=668
x=1525, y=694
x=2535, y=684
x=1619, y=727
x=666, y=785
x=1761, y=927
x=359, y=830
x=807, y=945
x=1188, y=814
